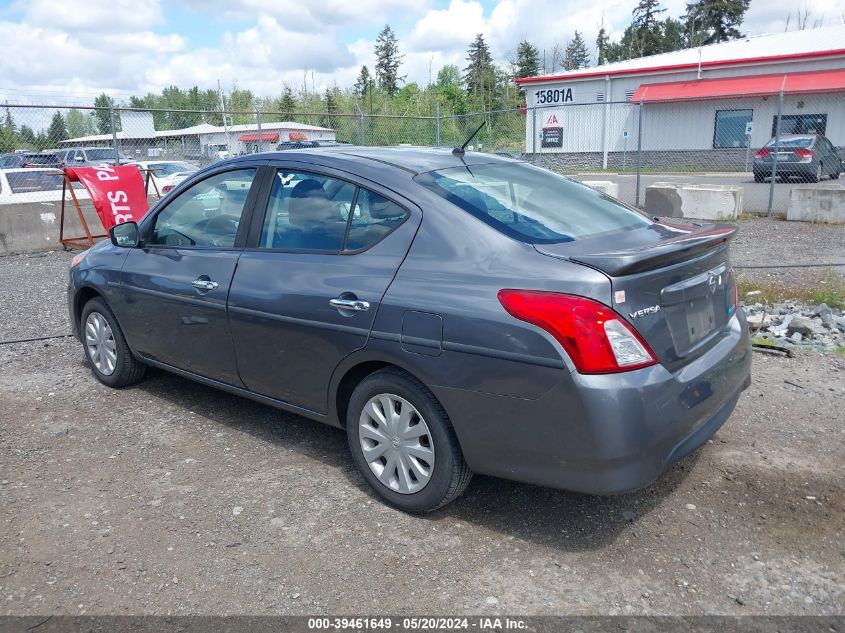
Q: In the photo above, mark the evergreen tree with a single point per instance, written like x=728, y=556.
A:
x=673, y=35
x=648, y=29
x=26, y=138
x=602, y=43
x=527, y=60
x=713, y=21
x=577, y=55
x=330, y=98
x=477, y=74
x=57, y=131
x=388, y=60
x=103, y=103
x=287, y=104
x=8, y=139
x=364, y=83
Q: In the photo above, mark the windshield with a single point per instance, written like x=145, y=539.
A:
x=530, y=204
x=101, y=154
x=168, y=169
x=801, y=141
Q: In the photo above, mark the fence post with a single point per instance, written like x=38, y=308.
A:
x=775, y=155
x=437, y=125
x=114, y=134
x=258, y=125
x=639, y=151
x=534, y=135
x=363, y=141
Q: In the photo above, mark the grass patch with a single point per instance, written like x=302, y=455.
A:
x=839, y=350
x=831, y=292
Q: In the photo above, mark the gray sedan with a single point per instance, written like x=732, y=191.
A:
x=452, y=312
x=807, y=157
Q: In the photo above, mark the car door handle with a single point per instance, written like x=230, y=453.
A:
x=204, y=284
x=349, y=304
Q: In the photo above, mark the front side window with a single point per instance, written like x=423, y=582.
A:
x=207, y=214
x=730, y=128
x=530, y=204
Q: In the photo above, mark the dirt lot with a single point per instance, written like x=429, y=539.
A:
x=173, y=498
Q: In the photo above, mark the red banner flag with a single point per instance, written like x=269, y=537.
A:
x=117, y=192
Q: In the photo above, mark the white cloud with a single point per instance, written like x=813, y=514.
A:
x=127, y=47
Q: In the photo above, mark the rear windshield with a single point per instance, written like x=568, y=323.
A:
x=27, y=181
x=804, y=141
x=42, y=159
x=100, y=154
x=530, y=204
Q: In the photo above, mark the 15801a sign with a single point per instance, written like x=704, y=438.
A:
x=554, y=95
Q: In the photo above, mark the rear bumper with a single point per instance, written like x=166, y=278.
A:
x=604, y=434
x=791, y=169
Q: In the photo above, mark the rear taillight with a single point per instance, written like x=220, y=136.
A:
x=762, y=153
x=803, y=153
x=597, y=340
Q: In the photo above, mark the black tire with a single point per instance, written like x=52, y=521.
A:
x=818, y=175
x=834, y=175
x=128, y=370
x=759, y=178
x=450, y=473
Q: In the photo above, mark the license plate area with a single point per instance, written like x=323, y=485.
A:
x=693, y=307
x=700, y=318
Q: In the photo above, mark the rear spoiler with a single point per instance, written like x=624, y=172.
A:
x=659, y=254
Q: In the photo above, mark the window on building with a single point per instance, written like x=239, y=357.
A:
x=800, y=124
x=730, y=125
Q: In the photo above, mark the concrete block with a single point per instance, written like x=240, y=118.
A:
x=687, y=200
x=607, y=187
x=34, y=226
x=813, y=203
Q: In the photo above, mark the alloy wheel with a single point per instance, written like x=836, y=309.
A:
x=99, y=340
x=396, y=443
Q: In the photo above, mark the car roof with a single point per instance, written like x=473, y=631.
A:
x=416, y=160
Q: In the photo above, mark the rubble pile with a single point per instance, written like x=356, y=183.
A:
x=795, y=323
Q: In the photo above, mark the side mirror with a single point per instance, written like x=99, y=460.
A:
x=125, y=235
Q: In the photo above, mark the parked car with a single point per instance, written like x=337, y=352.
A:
x=166, y=173
x=9, y=161
x=808, y=157
x=19, y=185
x=89, y=156
x=453, y=312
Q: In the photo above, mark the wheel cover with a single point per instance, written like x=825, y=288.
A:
x=396, y=443
x=99, y=340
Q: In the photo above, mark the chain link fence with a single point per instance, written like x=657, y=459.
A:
x=764, y=145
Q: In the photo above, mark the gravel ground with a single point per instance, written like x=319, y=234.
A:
x=173, y=498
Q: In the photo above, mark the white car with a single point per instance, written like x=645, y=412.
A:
x=32, y=184
x=165, y=173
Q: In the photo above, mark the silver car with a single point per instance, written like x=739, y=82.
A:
x=807, y=157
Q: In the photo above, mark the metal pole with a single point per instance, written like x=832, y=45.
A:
x=114, y=135
x=775, y=155
x=361, y=138
x=534, y=135
x=605, y=134
x=437, y=125
x=258, y=121
x=639, y=151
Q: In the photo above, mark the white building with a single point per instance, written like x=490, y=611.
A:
x=205, y=140
x=702, y=105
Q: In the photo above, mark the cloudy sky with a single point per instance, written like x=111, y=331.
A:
x=70, y=50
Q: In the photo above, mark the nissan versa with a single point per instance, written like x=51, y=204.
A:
x=454, y=312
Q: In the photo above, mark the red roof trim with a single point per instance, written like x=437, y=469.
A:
x=687, y=66
x=744, y=86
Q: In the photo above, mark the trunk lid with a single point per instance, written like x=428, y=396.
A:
x=672, y=283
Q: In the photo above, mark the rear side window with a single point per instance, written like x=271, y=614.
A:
x=530, y=204
x=373, y=217
x=316, y=213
